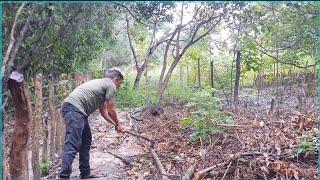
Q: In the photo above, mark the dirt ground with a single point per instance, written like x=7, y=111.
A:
x=105, y=140
x=257, y=146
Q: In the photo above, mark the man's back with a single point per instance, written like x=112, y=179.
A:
x=91, y=95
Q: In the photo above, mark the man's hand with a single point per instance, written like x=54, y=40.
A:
x=119, y=128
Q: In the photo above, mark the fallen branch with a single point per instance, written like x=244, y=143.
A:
x=152, y=141
x=136, y=118
x=239, y=139
x=235, y=125
x=132, y=123
x=137, y=110
x=158, y=163
x=200, y=174
x=153, y=153
x=126, y=160
x=225, y=173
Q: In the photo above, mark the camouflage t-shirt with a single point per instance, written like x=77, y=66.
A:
x=91, y=95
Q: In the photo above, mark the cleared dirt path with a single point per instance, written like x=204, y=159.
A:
x=105, y=139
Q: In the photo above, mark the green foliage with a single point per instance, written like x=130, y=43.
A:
x=205, y=115
x=98, y=73
x=129, y=97
x=62, y=37
x=305, y=147
x=151, y=11
x=44, y=167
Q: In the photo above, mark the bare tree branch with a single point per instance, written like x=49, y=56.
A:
x=282, y=62
x=12, y=40
x=129, y=11
x=135, y=58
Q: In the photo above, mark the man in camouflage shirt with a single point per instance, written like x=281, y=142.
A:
x=83, y=101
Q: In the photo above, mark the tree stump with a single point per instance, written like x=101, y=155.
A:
x=18, y=161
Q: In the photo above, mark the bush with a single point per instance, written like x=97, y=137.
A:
x=129, y=97
x=205, y=115
x=44, y=168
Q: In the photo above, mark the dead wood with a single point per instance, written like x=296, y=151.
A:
x=53, y=118
x=200, y=174
x=236, y=125
x=136, y=118
x=126, y=159
x=152, y=141
x=189, y=174
x=132, y=123
x=158, y=163
x=153, y=153
x=18, y=163
x=36, y=127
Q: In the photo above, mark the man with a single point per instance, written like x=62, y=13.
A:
x=83, y=101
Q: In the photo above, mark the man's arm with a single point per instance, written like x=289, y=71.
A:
x=109, y=113
x=104, y=112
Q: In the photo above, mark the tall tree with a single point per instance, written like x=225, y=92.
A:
x=205, y=19
x=151, y=15
x=236, y=82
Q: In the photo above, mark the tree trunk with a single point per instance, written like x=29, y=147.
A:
x=199, y=75
x=23, y=114
x=53, y=118
x=259, y=87
x=231, y=80
x=36, y=127
x=211, y=76
x=138, y=77
x=147, y=84
x=187, y=75
x=236, y=83
x=179, y=54
x=181, y=76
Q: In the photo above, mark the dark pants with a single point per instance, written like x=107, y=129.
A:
x=78, y=139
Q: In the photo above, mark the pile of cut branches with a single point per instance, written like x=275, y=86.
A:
x=254, y=147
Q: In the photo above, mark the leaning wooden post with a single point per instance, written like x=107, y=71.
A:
x=18, y=162
x=53, y=118
x=36, y=127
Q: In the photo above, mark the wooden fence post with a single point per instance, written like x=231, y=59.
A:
x=45, y=140
x=77, y=78
x=4, y=147
x=57, y=132
x=62, y=130
x=18, y=163
x=65, y=91
x=36, y=127
x=53, y=118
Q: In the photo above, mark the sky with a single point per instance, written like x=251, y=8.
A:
x=188, y=13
